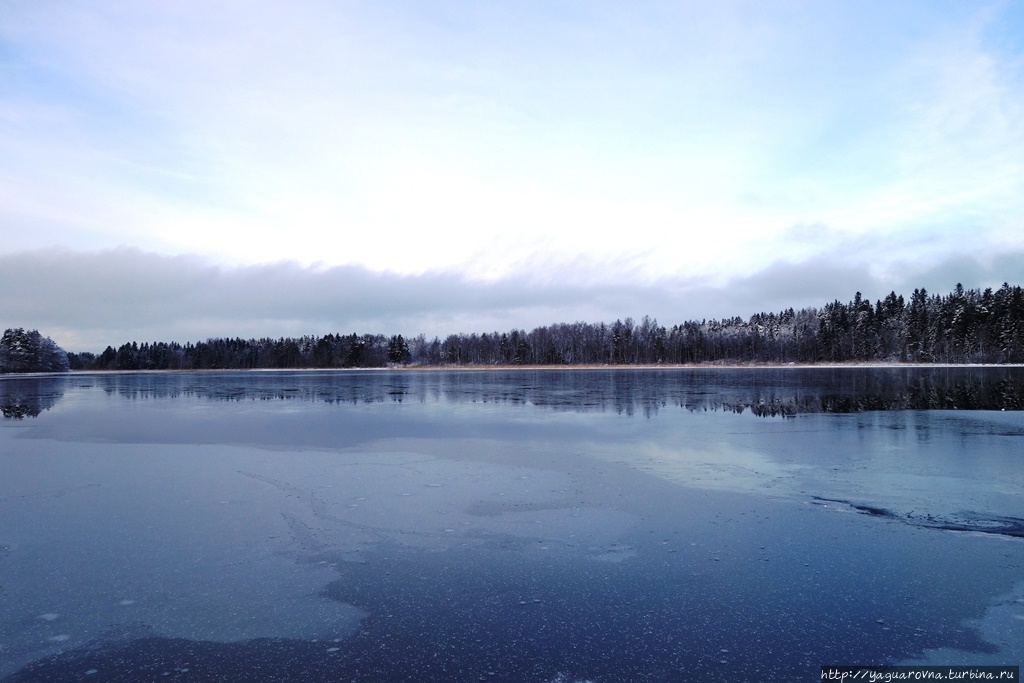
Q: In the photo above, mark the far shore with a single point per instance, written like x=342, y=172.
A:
x=581, y=366
x=703, y=366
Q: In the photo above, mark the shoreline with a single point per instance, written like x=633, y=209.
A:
x=549, y=368
x=701, y=366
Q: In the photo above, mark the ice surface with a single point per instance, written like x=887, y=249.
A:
x=195, y=569
x=536, y=530
x=938, y=469
x=1001, y=627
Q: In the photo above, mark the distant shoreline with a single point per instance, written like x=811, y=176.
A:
x=398, y=369
x=579, y=366
x=699, y=366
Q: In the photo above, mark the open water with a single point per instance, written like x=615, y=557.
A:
x=549, y=525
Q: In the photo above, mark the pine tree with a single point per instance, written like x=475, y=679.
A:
x=22, y=351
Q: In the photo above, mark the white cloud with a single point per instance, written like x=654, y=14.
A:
x=650, y=143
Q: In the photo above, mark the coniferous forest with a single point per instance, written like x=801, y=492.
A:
x=22, y=351
x=963, y=326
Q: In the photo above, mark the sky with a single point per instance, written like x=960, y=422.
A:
x=182, y=170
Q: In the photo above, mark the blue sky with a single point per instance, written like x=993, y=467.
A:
x=308, y=167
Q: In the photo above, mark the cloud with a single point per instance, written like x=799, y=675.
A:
x=383, y=167
x=476, y=137
x=88, y=300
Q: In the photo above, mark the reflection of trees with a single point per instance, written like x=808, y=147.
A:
x=29, y=396
x=775, y=392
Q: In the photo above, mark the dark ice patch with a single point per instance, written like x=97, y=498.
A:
x=978, y=523
x=964, y=521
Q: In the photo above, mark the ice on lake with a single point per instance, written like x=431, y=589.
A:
x=588, y=525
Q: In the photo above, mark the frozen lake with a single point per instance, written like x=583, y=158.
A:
x=553, y=525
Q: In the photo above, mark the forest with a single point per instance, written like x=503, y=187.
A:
x=963, y=326
x=22, y=351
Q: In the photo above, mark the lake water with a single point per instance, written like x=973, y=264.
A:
x=603, y=525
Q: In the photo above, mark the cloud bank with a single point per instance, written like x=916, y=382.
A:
x=87, y=300
x=193, y=169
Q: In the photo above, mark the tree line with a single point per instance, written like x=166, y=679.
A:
x=963, y=326
x=22, y=351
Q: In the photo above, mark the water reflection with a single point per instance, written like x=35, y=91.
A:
x=768, y=392
x=22, y=397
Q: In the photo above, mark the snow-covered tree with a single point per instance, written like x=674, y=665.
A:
x=22, y=351
x=398, y=350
